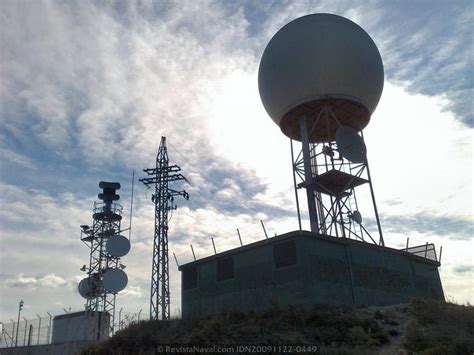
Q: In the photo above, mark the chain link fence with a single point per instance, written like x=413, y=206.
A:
x=427, y=251
x=38, y=331
x=125, y=319
x=27, y=332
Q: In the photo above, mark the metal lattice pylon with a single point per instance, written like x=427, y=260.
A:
x=163, y=198
x=330, y=181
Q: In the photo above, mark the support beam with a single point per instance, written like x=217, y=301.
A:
x=313, y=215
x=294, y=184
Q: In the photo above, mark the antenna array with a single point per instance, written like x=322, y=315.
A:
x=105, y=272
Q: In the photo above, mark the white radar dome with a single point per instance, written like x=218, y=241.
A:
x=316, y=60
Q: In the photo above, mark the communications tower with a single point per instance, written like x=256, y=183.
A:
x=161, y=176
x=105, y=272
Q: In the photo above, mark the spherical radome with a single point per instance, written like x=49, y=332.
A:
x=318, y=59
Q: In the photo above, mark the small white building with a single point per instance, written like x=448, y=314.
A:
x=81, y=326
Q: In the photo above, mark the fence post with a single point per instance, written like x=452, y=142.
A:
x=240, y=239
x=48, y=340
x=264, y=230
x=120, y=318
x=13, y=331
x=194, y=255
x=176, y=259
x=24, y=334
x=29, y=334
x=39, y=329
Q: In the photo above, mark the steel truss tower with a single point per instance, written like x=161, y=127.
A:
x=163, y=198
x=330, y=179
x=107, y=217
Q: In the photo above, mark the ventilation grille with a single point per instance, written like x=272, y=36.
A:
x=225, y=269
x=284, y=254
x=190, y=279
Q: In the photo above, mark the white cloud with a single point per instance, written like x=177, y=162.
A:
x=131, y=292
x=52, y=281
x=16, y=158
x=34, y=282
x=420, y=155
x=90, y=81
x=22, y=281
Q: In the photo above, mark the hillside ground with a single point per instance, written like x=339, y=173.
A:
x=421, y=327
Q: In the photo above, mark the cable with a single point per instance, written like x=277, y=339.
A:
x=253, y=232
x=194, y=166
x=201, y=173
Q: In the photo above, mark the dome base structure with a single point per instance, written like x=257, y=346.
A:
x=324, y=116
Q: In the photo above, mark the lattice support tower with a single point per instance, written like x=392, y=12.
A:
x=330, y=180
x=163, y=198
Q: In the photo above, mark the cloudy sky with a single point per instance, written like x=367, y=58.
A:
x=88, y=87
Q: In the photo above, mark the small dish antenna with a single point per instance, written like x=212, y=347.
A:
x=351, y=145
x=115, y=280
x=88, y=287
x=117, y=246
x=357, y=217
x=84, y=288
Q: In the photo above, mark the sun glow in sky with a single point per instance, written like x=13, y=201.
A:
x=87, y=89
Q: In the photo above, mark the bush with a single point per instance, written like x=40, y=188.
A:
x=358, y=336
x=440, y=328
x=433, y=328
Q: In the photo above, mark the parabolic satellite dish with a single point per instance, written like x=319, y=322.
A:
x=115, y=280
x=357, y=217
x=351, y=145
x=87, y=287
x=117, y=246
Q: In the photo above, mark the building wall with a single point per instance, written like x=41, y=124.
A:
x=80, y=326
x=70, y=348
x=327, y=271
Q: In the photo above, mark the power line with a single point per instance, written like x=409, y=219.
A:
x=194, y=166
x=201, y=173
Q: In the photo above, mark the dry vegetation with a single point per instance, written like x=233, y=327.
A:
x=422, y=327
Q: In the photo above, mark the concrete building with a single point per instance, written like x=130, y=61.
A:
x=303, y=268
x=81, y=326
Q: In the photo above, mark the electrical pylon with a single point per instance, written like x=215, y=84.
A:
x=163, y=198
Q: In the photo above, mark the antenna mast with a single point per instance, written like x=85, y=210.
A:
x=163, y=198
x=105, y=272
